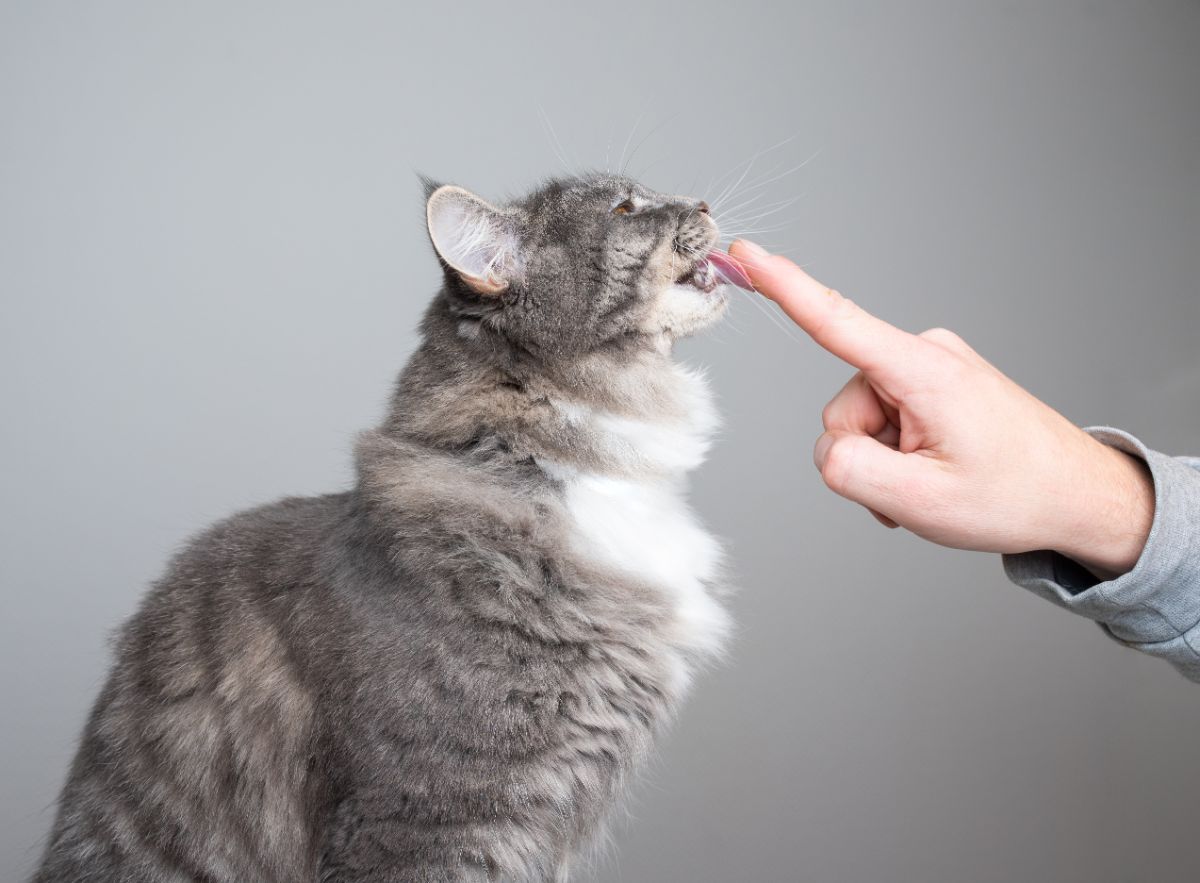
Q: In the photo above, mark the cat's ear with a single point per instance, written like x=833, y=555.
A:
x=473, y=238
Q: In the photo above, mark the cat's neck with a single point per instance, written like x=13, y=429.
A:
x=631, y=412
x=662, y=430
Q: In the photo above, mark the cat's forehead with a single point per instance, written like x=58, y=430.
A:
x=586, y=189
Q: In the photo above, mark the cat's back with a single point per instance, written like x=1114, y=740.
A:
x=195, y=761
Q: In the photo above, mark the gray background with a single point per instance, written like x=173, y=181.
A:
x=212, y=260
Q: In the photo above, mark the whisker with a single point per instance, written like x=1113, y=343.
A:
x=763, y=211
x=642, y=141
x=555, y=144
x=729, y=190
x=789, y=330
x=632, y=132
x=776, y=177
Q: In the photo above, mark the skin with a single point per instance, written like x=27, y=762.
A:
x=929, y=436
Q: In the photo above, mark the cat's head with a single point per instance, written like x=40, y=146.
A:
x=580, y=264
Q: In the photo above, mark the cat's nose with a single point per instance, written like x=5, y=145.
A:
x=703, y=208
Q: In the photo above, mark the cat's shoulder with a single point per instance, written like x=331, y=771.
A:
x=273, y=543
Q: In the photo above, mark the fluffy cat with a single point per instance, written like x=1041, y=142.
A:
x=447, y=672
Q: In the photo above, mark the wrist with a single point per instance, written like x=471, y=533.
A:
x=1110, y=506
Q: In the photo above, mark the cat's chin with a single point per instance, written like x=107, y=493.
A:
x=686, y=309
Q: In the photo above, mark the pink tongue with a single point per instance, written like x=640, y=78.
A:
x=730, y=270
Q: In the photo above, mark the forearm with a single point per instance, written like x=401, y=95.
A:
x=1107, y=511
x=1154, y=605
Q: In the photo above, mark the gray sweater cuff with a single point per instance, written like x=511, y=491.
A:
x=1156, y=606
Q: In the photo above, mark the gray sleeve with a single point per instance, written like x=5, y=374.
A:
x=1155, y=607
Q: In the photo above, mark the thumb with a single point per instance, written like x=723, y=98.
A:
x=872, y=474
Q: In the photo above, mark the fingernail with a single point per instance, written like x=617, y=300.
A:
x=754, y=248
x=821, y=451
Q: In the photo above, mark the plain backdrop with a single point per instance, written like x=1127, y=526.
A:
x=212, y=262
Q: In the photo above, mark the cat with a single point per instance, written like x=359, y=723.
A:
x=448, y=672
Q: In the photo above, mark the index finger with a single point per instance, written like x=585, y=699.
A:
x=836, y=323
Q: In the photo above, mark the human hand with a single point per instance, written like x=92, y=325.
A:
x=931, y=437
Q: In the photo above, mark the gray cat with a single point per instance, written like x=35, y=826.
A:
x=448, y=672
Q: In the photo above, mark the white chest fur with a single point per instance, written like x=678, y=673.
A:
x=641, y=524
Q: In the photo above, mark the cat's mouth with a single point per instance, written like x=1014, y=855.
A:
x=700, y=275
x=712, y=269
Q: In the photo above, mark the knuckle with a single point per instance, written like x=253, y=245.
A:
x=944, y=337
x=837, y=304
x=840, y=306
x=838, y=466
x=940, y=370
x=838, y=316
x=837, y=409
x=960, y=372
x=829, y=414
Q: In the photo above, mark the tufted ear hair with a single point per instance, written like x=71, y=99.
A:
x=473, y=238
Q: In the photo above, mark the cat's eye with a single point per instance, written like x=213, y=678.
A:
x=624, y=207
